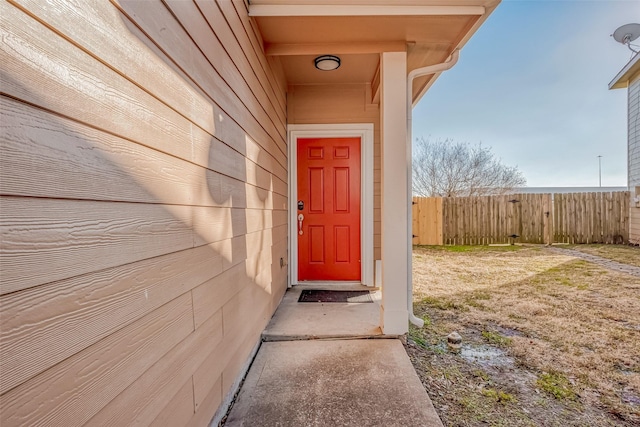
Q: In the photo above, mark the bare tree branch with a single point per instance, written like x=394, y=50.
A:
x=454, y=169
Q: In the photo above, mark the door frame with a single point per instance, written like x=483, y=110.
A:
x=365, y=132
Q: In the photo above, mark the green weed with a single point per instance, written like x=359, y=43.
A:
x=426, y=319
x=416, y=338
x=498, y=395
x=495, y=338
x=565, y=281
x=480, y=374
x=474, y=303
x=473, y=300
x=556, y=384
x=481, y=295
x=442, y=304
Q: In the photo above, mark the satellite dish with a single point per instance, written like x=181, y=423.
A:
x=626, y=34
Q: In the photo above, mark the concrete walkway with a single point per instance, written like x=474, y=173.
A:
x=603, y=262
x=333, y=383
x=300, y=321
x=316, y=371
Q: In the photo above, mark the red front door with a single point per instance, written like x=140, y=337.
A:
x=328, y=209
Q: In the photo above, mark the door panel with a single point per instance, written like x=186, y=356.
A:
x=329, y=187
x=316, y=190
x=316, y=244
x=342, y=250
x=341, y=190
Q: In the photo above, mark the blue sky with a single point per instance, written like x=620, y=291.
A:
x=532, y=84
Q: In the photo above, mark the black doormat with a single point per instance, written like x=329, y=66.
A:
x=318, y=295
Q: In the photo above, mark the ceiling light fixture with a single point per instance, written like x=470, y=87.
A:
x=327, y=62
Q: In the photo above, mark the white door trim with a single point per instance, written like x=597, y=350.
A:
x=365, y=132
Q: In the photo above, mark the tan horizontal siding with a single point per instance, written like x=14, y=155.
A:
x=145, y=398
x=240, y=315
x=204, y=18
x=95, y=376
x=248, y=36
x=196, y=61
x=179, y=410
x=52, y=59
x=51, y=239
x=210, y=296
x=144, y=195
x=207, y=406
x=44, y=325
x=99, y=29
x=88, y=91
x=72, y=156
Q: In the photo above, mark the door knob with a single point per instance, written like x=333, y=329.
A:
x=300, y=219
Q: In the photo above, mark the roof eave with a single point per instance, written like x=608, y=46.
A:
x=625, y=75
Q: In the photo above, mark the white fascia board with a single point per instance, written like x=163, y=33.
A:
x=358, y=10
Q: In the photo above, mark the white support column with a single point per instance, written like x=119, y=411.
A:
x=393, y=82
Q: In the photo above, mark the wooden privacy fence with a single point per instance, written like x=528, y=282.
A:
x=522, y=218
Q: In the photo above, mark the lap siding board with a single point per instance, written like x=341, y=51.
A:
x=144, y=198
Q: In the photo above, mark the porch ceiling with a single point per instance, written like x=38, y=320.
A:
x=358, y=31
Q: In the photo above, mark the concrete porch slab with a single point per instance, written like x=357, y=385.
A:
x=333, y=383
x=297, y=321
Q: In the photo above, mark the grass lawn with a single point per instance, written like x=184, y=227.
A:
x=548, y=339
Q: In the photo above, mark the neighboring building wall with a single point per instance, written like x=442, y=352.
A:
x=634, y=158
x=144, y=182
x=566, y=190
x=340, y=104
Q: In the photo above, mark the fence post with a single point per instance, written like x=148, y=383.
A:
x=415, y=227
x=440, y=219
x=547, y=219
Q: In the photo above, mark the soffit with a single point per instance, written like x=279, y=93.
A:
x=358, y=40
x=345, y=29
x=359, y=68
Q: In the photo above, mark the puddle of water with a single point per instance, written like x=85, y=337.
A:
x=627, y=324
x=624, y=369
x=630, y=398
x=508, y=332
x=485, y=355
x=439, y=348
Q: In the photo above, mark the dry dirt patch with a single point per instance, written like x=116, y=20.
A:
x=548, y=339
